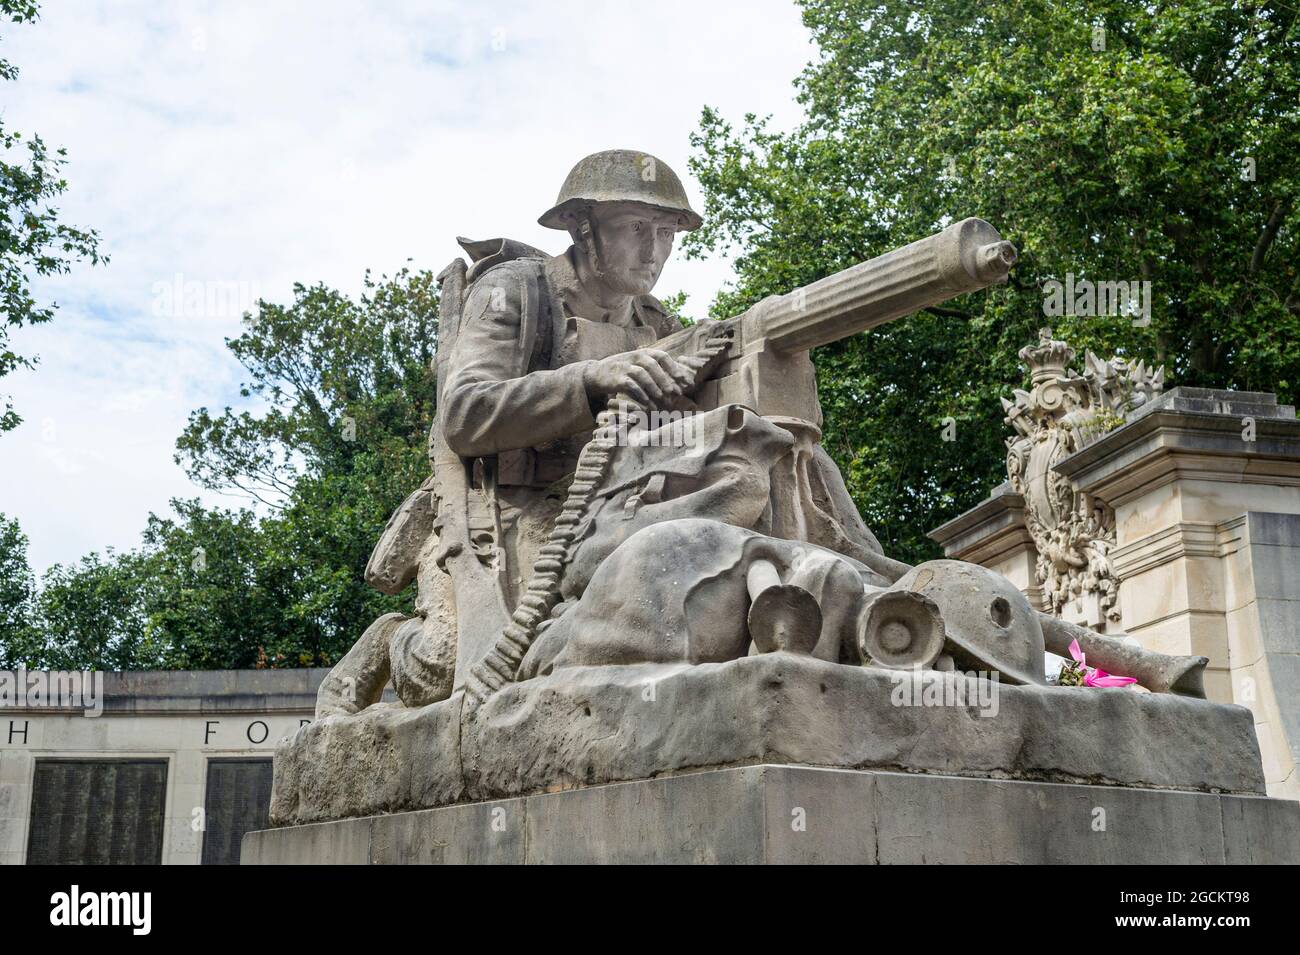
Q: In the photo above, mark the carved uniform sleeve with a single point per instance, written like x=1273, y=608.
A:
x=492, y=402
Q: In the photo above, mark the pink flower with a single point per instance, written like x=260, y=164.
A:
x=1093, y=676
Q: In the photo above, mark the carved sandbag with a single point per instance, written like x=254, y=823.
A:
x=392, y=563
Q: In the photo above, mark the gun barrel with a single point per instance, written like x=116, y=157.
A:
x=965, y=257
x=1159, y=673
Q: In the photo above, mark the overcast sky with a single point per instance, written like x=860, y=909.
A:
x=273, y=142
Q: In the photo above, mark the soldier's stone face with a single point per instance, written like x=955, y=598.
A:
x=633, y=243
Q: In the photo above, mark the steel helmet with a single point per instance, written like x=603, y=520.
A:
x=620, y=175
x=989, y=622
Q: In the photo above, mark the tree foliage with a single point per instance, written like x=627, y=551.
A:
x=17, y=588
x=343, y=393
x=32, y=239
x=1111, y=140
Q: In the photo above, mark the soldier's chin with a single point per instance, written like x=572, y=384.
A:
x=632, y=283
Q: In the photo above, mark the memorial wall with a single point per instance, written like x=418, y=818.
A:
x=145, y=767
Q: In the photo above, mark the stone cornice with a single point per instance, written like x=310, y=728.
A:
x=1183, y=435
x=988, y=530
x=199, y=691
x=1185, y=539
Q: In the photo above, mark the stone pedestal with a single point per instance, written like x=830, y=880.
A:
x=799, y=814
x=1205, y=488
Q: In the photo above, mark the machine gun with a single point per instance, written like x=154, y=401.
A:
x=759, y=358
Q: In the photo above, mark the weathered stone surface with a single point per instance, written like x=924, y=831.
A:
x=343, y=842
x=1259, y=831
x=477, y=834
x=964, y=822
x=797, y=814
x=588, y=726
x=596, y=725
x=387, y=759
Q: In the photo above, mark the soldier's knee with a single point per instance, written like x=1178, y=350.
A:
x=422, y=655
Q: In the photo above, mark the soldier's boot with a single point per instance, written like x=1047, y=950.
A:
x=358, y=680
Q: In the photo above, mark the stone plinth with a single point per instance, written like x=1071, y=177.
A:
x=797, y=814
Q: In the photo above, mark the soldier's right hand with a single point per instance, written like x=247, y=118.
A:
x=647, y=376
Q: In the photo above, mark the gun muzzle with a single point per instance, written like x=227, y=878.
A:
x=965, y=257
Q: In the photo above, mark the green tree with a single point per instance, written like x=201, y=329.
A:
x=17, y=589
x=90, y=615
x=1112, y=140
x=32, y=239
x=346, y=398
x=209, y=603
x=339, y=382
x=347, y=394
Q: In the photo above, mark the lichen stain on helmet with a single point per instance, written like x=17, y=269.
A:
x=620, y=175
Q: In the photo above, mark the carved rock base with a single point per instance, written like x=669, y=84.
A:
x=590, y=726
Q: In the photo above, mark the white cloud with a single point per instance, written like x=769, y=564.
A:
x=264, y=144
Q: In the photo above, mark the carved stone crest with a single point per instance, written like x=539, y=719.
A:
x=1062, y=413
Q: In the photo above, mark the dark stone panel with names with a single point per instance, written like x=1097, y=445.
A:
x=97, y=812
x=238, y=798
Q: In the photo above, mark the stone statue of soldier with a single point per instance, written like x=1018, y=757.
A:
x=542, y=342
x=619, y=503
